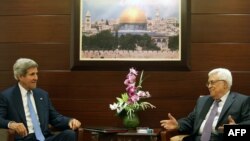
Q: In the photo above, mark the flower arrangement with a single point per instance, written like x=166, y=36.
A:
x=132, y=100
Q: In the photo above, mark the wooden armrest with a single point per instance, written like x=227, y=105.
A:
x=80, y=134
x=7, y=134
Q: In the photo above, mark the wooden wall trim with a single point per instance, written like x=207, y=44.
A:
x=234, y=56
x=220, y=6
x=48, y=56
x=220, y=29
x=35, y=29
x=35, y=7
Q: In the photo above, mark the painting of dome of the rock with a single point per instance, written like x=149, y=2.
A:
x=130, y=30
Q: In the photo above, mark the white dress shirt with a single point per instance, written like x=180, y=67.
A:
x=26, y=108
x=221, y=104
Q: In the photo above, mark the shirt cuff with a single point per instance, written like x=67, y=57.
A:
x=10, y=123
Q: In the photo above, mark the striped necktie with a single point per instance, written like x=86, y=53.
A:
x=35, y=122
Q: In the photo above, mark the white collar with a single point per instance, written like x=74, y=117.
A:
x=224, y=97
x=23, y=90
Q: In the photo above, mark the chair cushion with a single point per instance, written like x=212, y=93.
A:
x=4, y=134
x=177, y=137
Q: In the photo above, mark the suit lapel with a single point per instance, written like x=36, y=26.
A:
x=203, y=112
x=19, y=104
x=229, y=101
x=206, y=108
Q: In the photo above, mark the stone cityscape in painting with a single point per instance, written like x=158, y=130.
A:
x=131, y=35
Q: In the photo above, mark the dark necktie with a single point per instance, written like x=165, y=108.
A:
x=35, y=122
x=207, y=130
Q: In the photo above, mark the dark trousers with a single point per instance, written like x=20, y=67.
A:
x=67, y=135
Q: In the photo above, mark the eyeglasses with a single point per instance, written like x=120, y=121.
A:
x=212, y=82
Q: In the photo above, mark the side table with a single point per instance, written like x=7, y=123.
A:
x=130, y=135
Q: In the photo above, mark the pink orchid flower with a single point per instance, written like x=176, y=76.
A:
x=143, y=94
x=133, y=71
x=130, y=100
x=134, y=98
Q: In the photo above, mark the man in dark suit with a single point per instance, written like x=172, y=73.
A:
x=28, y=110
x=228, y=108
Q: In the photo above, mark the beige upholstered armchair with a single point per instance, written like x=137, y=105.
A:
x=171, y=136
x=8, y=134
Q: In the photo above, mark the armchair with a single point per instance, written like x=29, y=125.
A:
x=9, y=135
x=172, y=136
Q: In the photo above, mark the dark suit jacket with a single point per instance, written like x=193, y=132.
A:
x=236, y=105
x=11, y=109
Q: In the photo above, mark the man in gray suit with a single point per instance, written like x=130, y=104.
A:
x=201, y=123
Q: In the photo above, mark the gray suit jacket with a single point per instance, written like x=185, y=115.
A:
x=236, y=105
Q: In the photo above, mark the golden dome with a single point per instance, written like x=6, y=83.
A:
x=133, y=15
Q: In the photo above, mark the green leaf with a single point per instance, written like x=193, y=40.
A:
x=141, y=80
x=125, y=97
x=119, y=100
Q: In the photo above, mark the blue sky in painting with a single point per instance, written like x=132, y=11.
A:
x=111, y=9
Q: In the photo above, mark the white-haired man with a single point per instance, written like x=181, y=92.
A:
x=221, y=107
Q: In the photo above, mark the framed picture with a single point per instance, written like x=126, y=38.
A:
x=119, y=34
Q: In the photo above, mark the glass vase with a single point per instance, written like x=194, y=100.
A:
x=131, y=122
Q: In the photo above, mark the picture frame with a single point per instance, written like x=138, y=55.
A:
x=95, y=60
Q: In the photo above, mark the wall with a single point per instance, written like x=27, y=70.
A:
x=220, y=36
